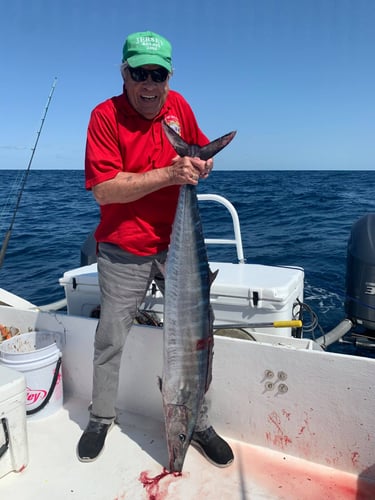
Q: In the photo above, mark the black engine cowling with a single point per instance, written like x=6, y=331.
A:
x=360, y=273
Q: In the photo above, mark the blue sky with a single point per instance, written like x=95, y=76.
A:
x=295, y=78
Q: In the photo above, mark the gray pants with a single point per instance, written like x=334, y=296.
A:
x=123, y=280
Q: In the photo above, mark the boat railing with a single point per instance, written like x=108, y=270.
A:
x=237, y=240
x=88, y=249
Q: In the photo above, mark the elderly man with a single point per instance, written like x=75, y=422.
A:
x=135, y=177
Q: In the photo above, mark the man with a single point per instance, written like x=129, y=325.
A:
x=135, y=177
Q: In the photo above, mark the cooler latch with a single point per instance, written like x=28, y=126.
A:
x=255, y=298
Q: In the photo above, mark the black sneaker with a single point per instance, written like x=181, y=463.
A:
x=213, y=447
x=92, y=441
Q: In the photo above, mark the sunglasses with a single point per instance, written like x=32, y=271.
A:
x=140, y=74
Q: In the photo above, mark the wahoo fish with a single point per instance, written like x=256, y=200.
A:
x=188, y=317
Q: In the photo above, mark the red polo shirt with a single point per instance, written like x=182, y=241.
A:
x=120, y=140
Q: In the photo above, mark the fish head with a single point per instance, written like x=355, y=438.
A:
x=179, y=427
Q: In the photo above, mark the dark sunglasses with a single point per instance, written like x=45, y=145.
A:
x=140, y=74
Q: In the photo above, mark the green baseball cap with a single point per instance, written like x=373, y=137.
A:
x=147, y=47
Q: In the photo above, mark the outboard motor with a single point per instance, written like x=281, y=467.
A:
x=360, y=273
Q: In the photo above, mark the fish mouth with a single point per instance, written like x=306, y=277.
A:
x=176, y=464
x=177, y=458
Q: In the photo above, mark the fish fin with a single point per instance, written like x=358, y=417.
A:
x=160, y=384
x=210, y=150
x=212, y=275
x=181, y=147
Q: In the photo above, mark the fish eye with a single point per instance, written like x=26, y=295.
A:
x=182, y=437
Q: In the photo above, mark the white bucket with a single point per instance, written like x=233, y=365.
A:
x=37, y=355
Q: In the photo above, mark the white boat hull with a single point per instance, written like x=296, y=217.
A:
x=276, y=403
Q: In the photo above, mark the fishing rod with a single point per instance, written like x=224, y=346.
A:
x=9, y=232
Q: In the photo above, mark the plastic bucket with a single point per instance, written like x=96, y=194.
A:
x=38, y=357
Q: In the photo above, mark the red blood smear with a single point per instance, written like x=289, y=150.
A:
x=155, y=490
x=293, y=478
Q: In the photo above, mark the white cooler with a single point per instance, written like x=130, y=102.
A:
x=13, y=433
x=256, y=294
x=241, y=293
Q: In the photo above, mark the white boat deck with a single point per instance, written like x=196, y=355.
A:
x=300, y=421
x=135, y=453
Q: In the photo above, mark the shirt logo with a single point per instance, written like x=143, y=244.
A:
x=173, y=122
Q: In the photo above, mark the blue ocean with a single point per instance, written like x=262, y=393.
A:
x=288, y=218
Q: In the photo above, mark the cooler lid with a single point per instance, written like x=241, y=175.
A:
x=12, y=383
x=233, y=280
x=242, y=280
x=85, y=275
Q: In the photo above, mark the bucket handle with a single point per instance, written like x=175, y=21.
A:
x=50, y=392
x=5, y=446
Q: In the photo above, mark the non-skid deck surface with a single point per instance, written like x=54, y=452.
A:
x=135, y=454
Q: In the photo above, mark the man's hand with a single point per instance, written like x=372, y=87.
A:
x=186, y=170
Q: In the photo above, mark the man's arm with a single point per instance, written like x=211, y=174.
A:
x=129, y=186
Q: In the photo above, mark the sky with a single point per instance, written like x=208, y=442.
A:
x=295, y=78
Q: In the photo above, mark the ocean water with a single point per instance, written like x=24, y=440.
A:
x=292, y=218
